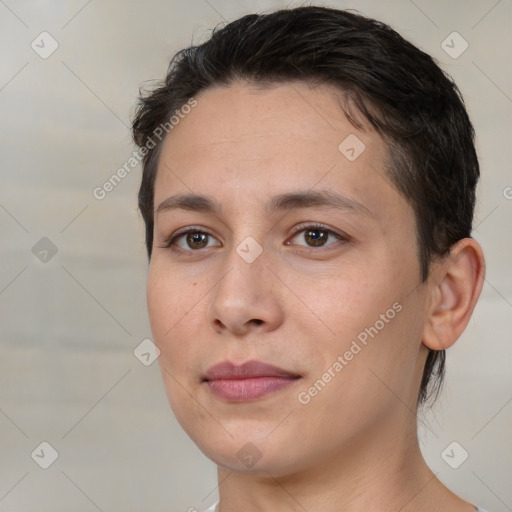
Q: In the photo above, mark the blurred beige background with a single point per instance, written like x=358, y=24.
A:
x=72, y=273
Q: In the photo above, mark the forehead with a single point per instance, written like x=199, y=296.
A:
x=272, y=140
x=253, y=115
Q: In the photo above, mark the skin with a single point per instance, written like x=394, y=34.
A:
x=354, y=445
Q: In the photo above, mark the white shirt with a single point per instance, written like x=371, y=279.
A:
x=212, y=508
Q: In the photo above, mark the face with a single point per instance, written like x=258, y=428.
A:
x=301, y=256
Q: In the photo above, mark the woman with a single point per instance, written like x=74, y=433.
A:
x=308, y=193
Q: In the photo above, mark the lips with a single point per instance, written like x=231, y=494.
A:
x=249, y=381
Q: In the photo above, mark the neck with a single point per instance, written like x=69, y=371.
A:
x=382, y=469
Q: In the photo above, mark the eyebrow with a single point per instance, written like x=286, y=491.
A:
x=288, y=201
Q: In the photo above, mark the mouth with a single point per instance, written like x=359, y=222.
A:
x=247, y=382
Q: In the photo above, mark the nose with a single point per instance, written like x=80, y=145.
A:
x=247, y=297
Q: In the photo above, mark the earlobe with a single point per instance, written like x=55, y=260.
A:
x=455, y=288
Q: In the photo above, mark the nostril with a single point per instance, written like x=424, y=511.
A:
x=218, y=323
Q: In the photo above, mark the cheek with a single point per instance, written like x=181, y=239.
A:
x=168, y=301
x=176, y=309
x=160, y=302
x=347, y=303
x=170, y=295
x=364, y=311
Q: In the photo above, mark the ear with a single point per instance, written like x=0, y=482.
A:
x=454, y=290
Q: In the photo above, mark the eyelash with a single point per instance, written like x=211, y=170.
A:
x=169, y=242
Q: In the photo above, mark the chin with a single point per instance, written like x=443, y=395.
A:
x=247, y=451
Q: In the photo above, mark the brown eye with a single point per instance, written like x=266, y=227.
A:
x=192, y=240
x=197, y=240
x=316, y=237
